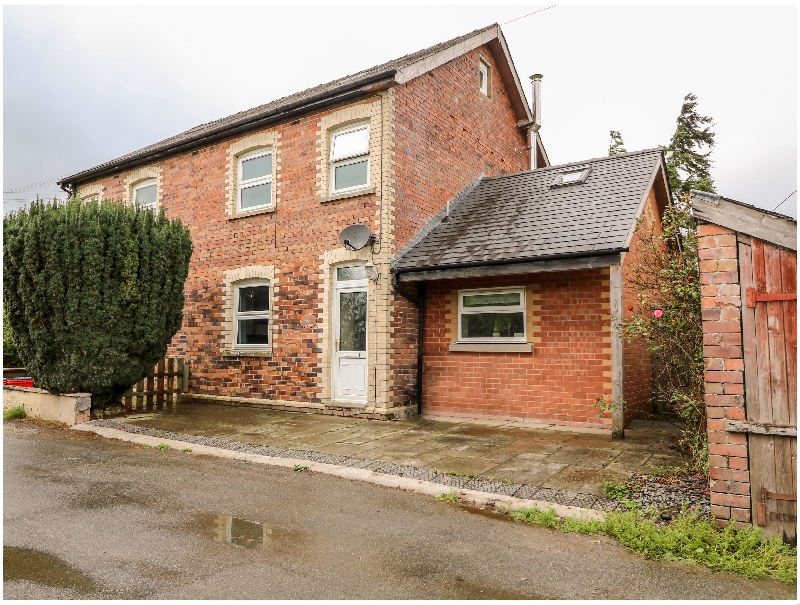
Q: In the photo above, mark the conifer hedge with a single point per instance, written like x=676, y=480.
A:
x=93, y=292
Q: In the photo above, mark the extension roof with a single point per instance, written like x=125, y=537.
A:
x=348, y=88
x=521, y=217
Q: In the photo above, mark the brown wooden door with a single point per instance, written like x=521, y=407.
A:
x=769, y=331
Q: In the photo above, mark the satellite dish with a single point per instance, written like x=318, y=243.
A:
x=355, y=237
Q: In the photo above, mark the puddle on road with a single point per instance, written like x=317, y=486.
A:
x=242, y=533
x=43, y=568
x=487, y=512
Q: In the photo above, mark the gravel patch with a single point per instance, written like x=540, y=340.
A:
x=671, y=494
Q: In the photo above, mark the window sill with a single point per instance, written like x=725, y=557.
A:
x=346, y=194
x=264, y=353
x=252, y=212
x=500, y=347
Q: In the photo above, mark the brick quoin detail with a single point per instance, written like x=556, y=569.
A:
x=722, y=339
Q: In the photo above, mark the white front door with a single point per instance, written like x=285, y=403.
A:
x=350, y=335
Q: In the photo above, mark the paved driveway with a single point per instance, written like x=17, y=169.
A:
x=569, y=460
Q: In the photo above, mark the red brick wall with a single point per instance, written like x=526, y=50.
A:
x=447, y=133
x=433, y=162
x=724, y=375
x=292, y=239
x=559, y=382
x=638, y=377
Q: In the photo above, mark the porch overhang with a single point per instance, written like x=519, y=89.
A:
x=561, y=262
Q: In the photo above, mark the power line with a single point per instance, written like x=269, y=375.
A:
x=528, y=15
x=30, y=186
x=787, y=197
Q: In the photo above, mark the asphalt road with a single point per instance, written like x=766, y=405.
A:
x=85, y=517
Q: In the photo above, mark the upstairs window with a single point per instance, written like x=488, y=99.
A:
x=485, y=77
x=350, y=158
x=255, y=180
x=145, y=194
x=491, y=315
x=251, y=315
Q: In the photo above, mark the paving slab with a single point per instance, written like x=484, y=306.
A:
x=533, y=472
x=522, y=452
x=585, y=480
x=583, y=456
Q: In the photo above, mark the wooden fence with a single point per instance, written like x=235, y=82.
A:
x=167, y=384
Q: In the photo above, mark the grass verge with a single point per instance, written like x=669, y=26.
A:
x=14, y=413
x=689, y=539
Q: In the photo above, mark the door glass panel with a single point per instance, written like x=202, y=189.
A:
x=353, y=321
x=351, y=273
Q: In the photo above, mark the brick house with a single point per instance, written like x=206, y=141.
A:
x=280, y=314
x=748, y=276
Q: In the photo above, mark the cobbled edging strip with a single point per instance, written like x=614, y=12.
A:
x=527, y=492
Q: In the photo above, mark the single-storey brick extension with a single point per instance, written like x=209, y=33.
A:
x=516, y=265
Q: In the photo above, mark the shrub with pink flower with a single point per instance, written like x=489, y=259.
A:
x=658, y=313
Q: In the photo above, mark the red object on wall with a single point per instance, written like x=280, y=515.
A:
x=18, y=382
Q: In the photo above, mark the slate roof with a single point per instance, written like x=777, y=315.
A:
x=263, y=111
x=519, y=216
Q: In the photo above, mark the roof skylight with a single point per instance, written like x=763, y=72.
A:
x=573, y=177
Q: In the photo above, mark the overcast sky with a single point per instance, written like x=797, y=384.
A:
x=83, y=85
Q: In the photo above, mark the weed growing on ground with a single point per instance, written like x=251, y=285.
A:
x=616, y=491
x=449, y=497
x=164, y=446
x=299, y=468
x=457, y=474
x=689, y=539
x=186, y=449
x=14, y=413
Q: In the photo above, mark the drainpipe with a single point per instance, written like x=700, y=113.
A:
x=419, y=302
x=536, y=111
x=419, y=346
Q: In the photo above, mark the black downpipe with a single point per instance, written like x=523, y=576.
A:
x=422, y=294
x=419, y=301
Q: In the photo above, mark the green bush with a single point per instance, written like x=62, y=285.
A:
x=93, y=292
x=10, y=357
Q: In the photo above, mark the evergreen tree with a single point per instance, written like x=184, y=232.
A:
x=688, y=165
x=617, y=146
x=93, y=292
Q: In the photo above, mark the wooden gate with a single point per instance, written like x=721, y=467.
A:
x=167, y=384
x=769, y=330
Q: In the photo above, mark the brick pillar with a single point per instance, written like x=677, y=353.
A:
x=724, y=373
